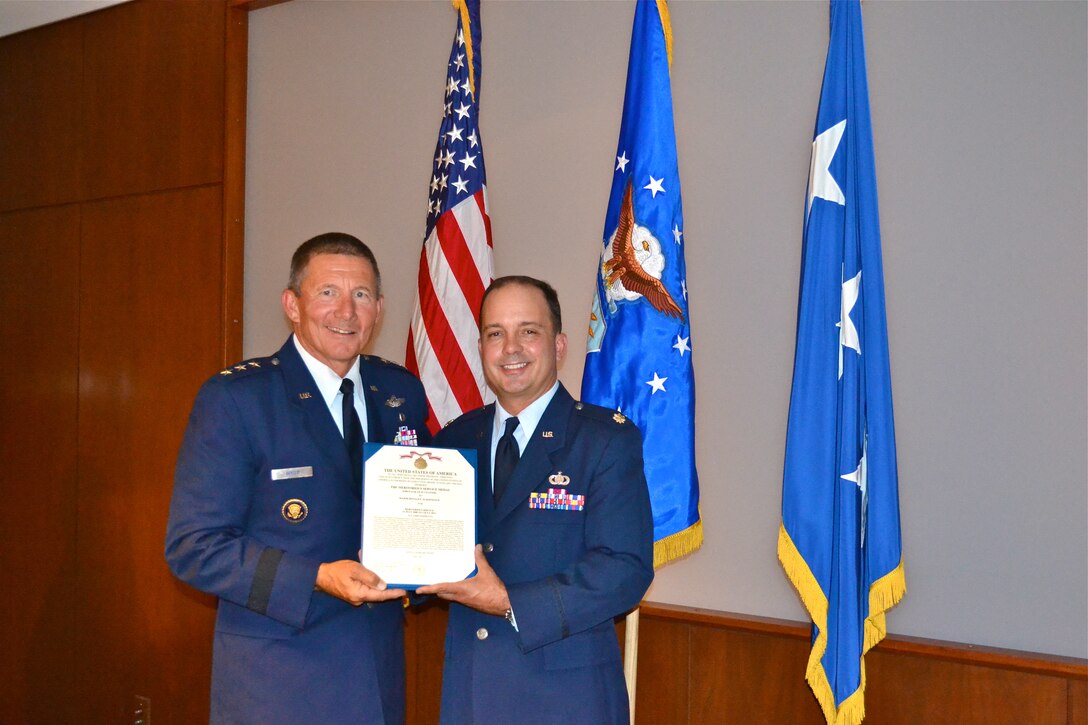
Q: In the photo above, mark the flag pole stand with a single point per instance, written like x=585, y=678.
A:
x=630, y=657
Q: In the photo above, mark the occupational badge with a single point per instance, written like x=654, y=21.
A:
x=558, y=479
x=394, y=402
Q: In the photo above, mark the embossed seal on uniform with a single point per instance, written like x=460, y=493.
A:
x=394, y=402
x=283, y=474
x=295, y=510
x=558, y=479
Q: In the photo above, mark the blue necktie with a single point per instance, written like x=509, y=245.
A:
x=507, y=454
x=353, y=433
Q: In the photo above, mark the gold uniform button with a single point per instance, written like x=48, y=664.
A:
x=488, y=548
x=481, y=633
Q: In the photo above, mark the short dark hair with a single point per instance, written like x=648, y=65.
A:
x=545, y=289
x=329, y=243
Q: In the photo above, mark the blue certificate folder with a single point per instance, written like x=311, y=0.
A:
x=418, y=514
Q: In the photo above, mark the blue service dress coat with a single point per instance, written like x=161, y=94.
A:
x=263, y=494
x=572, y=540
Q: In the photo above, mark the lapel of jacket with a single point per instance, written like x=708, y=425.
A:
x=302, y=393
x=536, y=460
x=375, y=404
x=485, y=501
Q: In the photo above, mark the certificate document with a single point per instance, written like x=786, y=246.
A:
x=419, y=514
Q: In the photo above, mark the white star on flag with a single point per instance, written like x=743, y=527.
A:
x=461, y=185
x=621, y=161
x=848, y=333
x=462, y=111
x=676, y=233
x=657, y=383
x=468, y=161
x=454, y=133
x=460, y=62
x=682, y=344
x=820, y=181
x=860, y=476
x=472, y=142
x=655, y=186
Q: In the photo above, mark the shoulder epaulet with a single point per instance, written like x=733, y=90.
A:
x=377, y=360
x=471, y=415
x=596, y=412
x=248, y=367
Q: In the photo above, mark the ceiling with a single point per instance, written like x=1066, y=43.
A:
x=17, y=15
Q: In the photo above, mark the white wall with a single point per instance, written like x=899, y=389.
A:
x=981, y=134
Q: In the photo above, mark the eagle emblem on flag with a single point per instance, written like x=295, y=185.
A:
x=632, y=264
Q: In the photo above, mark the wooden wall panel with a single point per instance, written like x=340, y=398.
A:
x=1078, y=702
x=424, y=638
x=153, y=97
x=40, y=76
x=700, y=666
x=39, y=301
x=663, y=687
x=907, y=689
x=740, y=676
x=113, y=310
x=151, y=293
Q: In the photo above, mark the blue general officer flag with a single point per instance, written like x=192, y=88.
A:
x=638, y=358
x=840, y=539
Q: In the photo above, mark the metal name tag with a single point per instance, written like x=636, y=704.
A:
x=282, y=474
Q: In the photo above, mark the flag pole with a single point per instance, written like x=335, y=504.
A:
x=630, y=657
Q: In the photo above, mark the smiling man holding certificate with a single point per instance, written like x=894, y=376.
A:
x=266, y=499
x=565, y=532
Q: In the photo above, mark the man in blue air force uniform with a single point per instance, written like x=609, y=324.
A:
x=566, y=533
x=266, y=507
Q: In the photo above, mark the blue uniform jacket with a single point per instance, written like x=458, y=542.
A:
x=568, y=570
x=263, y=494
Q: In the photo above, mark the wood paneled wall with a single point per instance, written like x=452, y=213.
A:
x=698, y=666
x=121, y=178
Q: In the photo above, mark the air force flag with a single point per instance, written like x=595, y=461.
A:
x=638, y=359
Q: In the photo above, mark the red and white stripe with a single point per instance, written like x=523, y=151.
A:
x=455, y=267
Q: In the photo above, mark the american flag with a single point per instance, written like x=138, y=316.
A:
x=455, y=266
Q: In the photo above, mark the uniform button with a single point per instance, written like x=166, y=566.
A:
x=481, y=633
x=488, y=548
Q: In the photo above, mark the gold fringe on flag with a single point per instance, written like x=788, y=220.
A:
x=666, y=25
x=679, y=544
x=466, y=28
x=884, y=594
